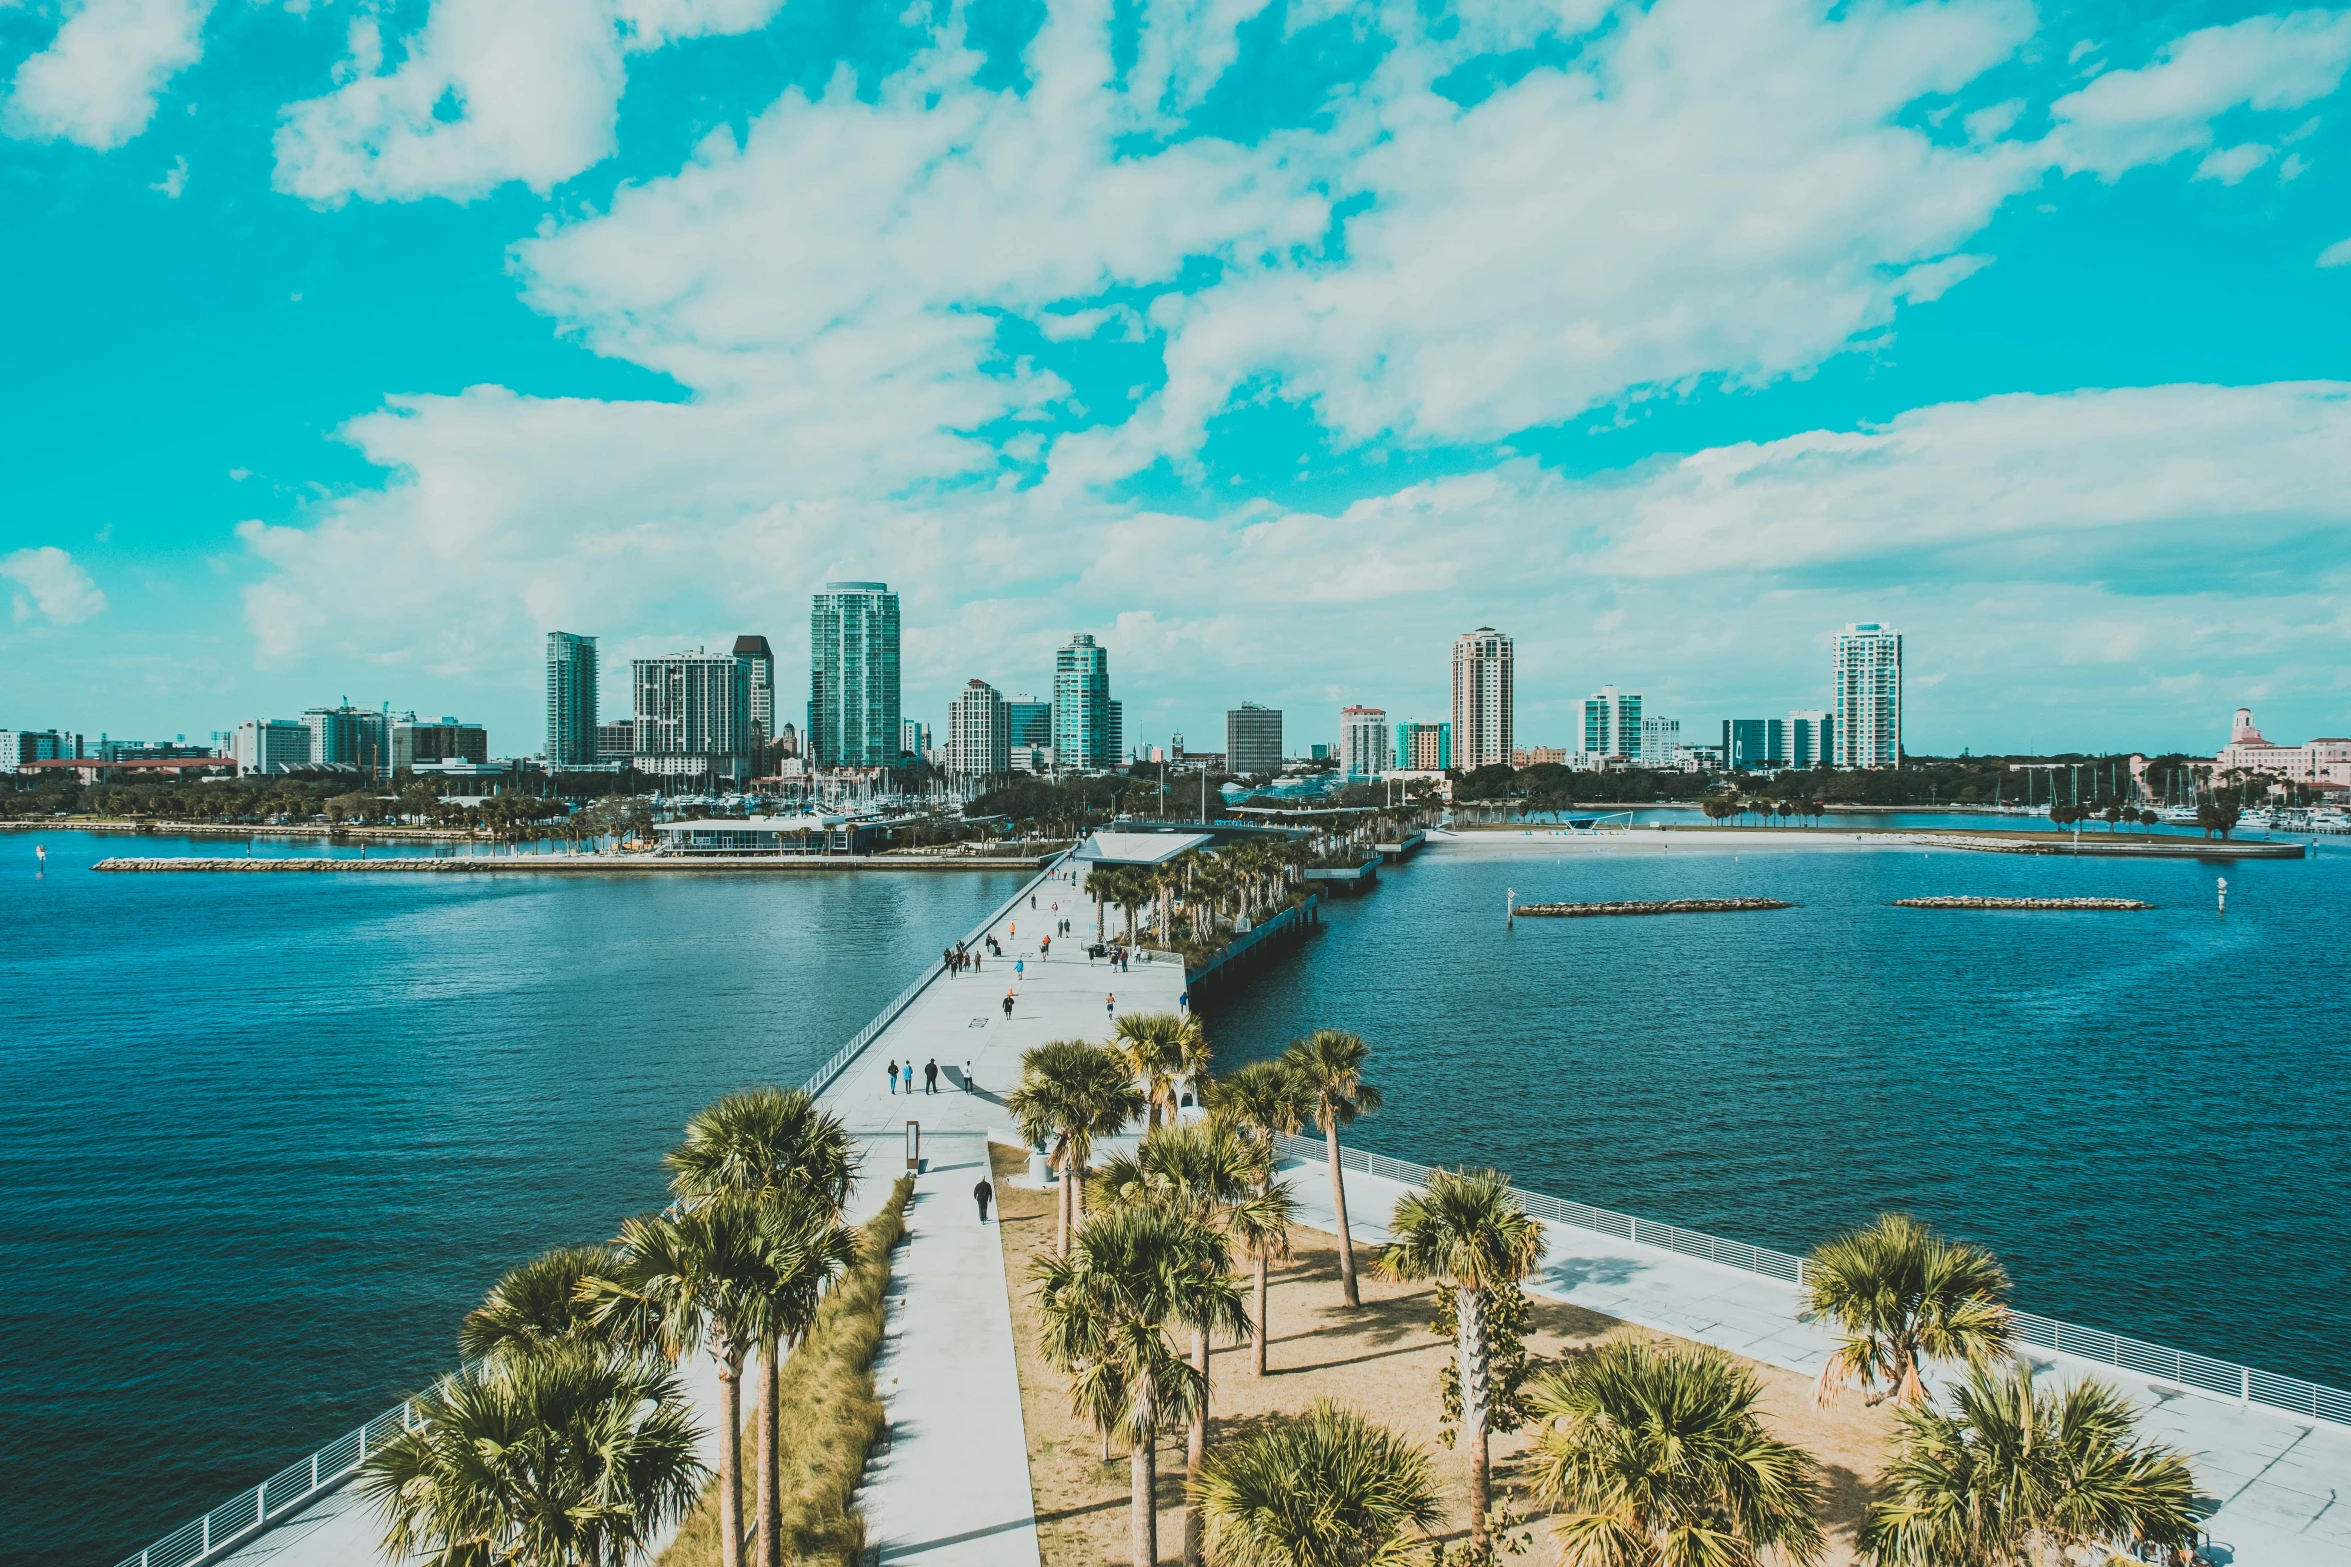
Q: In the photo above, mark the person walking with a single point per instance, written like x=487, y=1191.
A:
x=980, y=1194
x=1020, y=966
x=1008, y=1006
x=893, y=1075
x=1110, y=1005
x=930, y=1076
x=968, y=1086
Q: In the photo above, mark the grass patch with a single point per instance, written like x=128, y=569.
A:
x=828, y=1422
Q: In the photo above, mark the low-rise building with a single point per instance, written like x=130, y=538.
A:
x=271, y=745
x=416, y=744
x=1424, y=747
x=2323, y=763
x=1539, y=756
x=772, y=835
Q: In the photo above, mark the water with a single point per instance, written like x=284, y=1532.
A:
x=264, y=1139
x=2141, y=1112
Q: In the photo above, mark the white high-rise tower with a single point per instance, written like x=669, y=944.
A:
x=1482, y=682
x=1869, y=696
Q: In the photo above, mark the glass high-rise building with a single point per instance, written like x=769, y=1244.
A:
x=1085, y=729
x=571, y=700
x=1812, y=736
x=1869, y=696
x=693, y=716
x=1612, y=724
x=853, y=676
x=1482, y=699
x=1253, y=741
x=1363, y=741
x=760, y=662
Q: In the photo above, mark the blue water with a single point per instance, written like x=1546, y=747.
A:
x=264, y=1139
x=2141, y=1112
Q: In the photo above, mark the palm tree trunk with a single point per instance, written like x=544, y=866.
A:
x=1347, y=1288
x=1143, y=1481
x=730, y=1459
x=770, y=1520
x=1258, y=1349
x=1195, y=1452
x=1470, y=1312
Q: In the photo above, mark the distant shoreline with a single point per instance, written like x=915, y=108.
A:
x=1532, y=842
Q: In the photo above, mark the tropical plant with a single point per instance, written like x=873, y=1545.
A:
x=1330, y=1063
x=1326, y=1489
x=574, y=1457
x=1104, y=1311
x=536, y=1306
x=1217, y=1175
x=1267, y=1100
x=1152, y=1045
x=1070, y=1093
x=1900, y=1295
x=1465, y=1229
x=777, y=1149
x=1651, y=1455
x=2009, y=1475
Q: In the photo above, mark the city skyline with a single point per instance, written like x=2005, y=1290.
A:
x=2034, y=352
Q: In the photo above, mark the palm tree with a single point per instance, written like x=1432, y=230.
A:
x=1900, y=1295
x=1651, y=1455
x=1214, y=1174
x=767, y=1145
x=1467, y=1230
x=1327, y=1489
x=574, y=1457
x=536, y=1306
x=1070, y=1093
x=1265, y=1099
x=1330, y=1063
x=1104, y=1313
x=2009, y=1475
x=1151, y=1045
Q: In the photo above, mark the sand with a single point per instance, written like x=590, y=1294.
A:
x=1383, y=1361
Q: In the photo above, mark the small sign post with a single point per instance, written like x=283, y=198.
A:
x=914, y=1147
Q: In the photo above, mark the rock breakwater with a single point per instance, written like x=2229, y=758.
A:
x=1573, y=911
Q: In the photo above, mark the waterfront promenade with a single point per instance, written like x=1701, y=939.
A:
x=952, y=1482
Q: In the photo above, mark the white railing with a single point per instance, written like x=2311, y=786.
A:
x=244, y=1515
x=2222, y=1378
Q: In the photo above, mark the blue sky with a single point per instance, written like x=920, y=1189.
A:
x=351, y=347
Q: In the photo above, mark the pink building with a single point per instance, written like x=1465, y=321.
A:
x=2325, y=763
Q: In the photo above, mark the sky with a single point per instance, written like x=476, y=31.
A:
x=347, y=347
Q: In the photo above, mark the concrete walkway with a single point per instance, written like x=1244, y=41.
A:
x=2279, y=1481
x=953, y=1483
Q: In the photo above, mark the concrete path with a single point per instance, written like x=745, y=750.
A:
x=2280, y=1481
x=953, y=1485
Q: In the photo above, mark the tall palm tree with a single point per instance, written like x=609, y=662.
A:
x=1465, y=1229
x=1265, y=1099
x=1900, y=1295
x=2009, y=1475
x=536, y=1306
x=1327, y=1489
x=765, y=1145
x=1151, y=1044
x=574, y=1457
x=1651, y=1455
x=1104, y=1313
x=1070, y=1093
x=1330, y=1063
x=1214, y=1174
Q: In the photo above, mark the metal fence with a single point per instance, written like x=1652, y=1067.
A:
x=2222, y=1378
x=242, y=1516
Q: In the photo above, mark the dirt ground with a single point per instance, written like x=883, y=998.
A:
x=1381, y=1360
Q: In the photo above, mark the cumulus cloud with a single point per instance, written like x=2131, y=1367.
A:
x=2266, y=63
x=485, y=92
x=2336, y=255
x=97, y=81
x=51, y=586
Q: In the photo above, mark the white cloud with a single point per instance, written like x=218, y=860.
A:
x=2336, y=255
x=2267, y=63
x=97, y=81
x=2231, y=164
x=54, y=586
x=485, y=92
x=174, y=181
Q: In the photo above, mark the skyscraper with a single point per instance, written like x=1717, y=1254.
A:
x=1612, y=724
x=1424, y=748
x=1363, y=741
x=348, y=736
x=1084, y=737
x=1253, y=741
x=694, y=716
x=979, y=732
x=761, y=665
x=853, y=676
x=571, y=700
x=1869, y=696
x=1482, y=699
